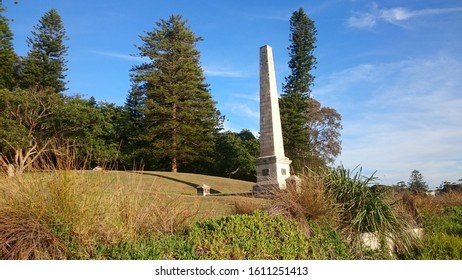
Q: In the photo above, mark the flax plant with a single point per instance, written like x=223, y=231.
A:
x=365, y=211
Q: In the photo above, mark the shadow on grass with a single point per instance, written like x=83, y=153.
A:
x=191, y=184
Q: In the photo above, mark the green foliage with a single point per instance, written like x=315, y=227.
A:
x=26, y=125
x=257, y=236
x=448, y=187
x=326, y=243
x=363, y=210
x=8, y=57
x=440, y=246
x=323, y=134
x=310, y=132
x=301, y=52
x=450, y=222
x=236, y=154
x=294, y=102
x=95, y=129
x=443, y=238
x=45, y=63
x=417, y=183
x=179, y=110
x=158, y=247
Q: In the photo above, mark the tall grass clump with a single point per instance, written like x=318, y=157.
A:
x=365, y=211
x=66, y=213
x=309, y=201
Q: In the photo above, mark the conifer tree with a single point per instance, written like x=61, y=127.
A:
x=8, y=57
x=417, y=182
x=294, y=102
x=45, y=63
x=310, y=132
x=180, y=113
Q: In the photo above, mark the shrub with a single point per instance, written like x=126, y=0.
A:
x=256, y=236
x=439, y=246
x=326, y=243
x=363, y=210
x=155, y=247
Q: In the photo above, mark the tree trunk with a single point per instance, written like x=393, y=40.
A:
x=174, y=165
x=174, y=140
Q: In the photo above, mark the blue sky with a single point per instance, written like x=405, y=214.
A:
x=392, y=69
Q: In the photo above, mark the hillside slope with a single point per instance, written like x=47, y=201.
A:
x=185, y=183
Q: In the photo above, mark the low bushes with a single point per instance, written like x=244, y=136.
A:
x=443, y=240
x=256, y=236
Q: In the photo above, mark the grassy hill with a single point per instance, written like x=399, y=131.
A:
x=184, y=183
x=181, y=188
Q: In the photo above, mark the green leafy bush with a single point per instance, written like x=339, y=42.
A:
x=326, y=243
x=440, y=246
x=444, y=238
x=450, y=222
x=154, y=247
x=256, y=236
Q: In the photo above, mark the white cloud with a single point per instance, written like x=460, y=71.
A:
x=244, y=110
x=401, y=116
x=122, y=56
x=252, y=97
x=222, y=72
x=368, y=19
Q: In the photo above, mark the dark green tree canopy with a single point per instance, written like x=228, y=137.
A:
x=417, y=182
x=236, y=154
x=301, y=52
x=310, y=132
x=8, y=58
x=45, y=64
x=181, y=115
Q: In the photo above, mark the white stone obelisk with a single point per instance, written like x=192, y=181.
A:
x=273, y=167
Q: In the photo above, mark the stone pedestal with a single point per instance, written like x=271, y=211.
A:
x=203, y=190
x=272, y=172
x=273, y=167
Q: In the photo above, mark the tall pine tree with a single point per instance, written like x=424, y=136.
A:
x=8, y=57
x=311, y=132
x=45, y=64
x=417, y=183
x=294, y=102
x=179, y=110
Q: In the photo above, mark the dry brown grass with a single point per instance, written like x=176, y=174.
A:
x=24, y=236
x=309, y=201
x=248, y=205
x=157, y=213
x=434, y=205
x=42, y=213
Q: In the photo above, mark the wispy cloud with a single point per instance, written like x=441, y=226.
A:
x=223, y=72
x=244, y=110
x=252, y=97
x=401, y=116
x=368, y=19
x=122, y=56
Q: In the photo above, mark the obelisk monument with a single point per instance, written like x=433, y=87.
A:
x=273, y=167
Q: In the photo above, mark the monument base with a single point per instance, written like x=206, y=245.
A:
x=272, y=172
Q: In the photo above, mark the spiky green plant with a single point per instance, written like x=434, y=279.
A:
x=363, y=210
